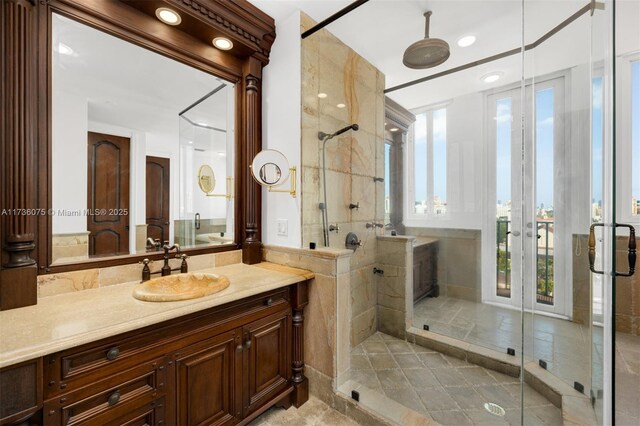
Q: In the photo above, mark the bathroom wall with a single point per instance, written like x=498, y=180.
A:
x=627, y=291
x=354, y=94
x=281, y=130
x=395, y=284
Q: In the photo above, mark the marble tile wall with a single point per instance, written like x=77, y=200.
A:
x=459, y=261
x=327, y=339
x=395, y=286
x=627, y=292
x=70, y=247
x=354, y=94
x=66, y=282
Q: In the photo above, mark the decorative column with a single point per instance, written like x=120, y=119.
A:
x=252, y=119
x=299, y=299
x=18, y=270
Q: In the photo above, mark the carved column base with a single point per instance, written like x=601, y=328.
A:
x=299, y=299
x=18, y=287
x=251, y=252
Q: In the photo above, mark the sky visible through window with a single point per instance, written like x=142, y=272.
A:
x=435, y=120
x=503, y=150
x=440, y=154
x=544, y=148
x=596, y=149
x=420, y=152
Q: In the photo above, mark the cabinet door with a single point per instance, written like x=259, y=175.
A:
x=268, y=359
x=208, y=377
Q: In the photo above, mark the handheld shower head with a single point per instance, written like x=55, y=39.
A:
x=327, y=136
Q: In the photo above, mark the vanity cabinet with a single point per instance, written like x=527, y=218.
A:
x=221, y=366
x=425, y=269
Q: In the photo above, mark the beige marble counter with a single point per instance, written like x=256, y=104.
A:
x=420, y=241
x=67, y=320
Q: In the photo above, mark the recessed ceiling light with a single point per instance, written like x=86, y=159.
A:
x=492, y=77
x=393, y=129
x=222, y=153
x=466, y=41
x=341, y=105
x=168, y=16
x=322, y=95
x=201, y=123
x=223, y=43
x=63, y=49
x=190, y=142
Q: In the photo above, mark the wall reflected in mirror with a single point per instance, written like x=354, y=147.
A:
x=130, y=131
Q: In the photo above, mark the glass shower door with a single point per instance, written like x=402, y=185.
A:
x=568, y=199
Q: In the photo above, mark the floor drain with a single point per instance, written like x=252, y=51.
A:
x=494, y=409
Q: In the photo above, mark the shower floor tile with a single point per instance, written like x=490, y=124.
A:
x=561, y=343
x=446, y=389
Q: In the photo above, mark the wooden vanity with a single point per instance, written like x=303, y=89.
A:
x=223, y=364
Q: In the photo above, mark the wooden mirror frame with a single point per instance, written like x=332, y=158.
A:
x=25, y=154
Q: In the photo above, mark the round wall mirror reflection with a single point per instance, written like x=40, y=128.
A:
x=270, y=167
x=270, y=173
x=206, y=179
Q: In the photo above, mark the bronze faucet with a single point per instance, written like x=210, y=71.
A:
x=166, y=269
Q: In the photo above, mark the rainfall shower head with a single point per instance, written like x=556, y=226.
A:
x=428, y=52
x=327, y=136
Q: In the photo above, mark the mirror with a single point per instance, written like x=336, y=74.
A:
x=267, y=167
x=206, y=179
x=270, y=173
x=132, y=131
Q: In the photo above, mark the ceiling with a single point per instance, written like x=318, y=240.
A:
x=381, y=30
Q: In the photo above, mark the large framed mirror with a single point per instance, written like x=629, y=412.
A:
x=124, y=110
x=129, y=131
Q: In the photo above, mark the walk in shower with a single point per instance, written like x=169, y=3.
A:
x=506, y=168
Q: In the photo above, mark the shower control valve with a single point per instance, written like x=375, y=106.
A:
x=355, y=206
x=334, y=228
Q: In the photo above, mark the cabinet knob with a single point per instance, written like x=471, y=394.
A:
x=247, y=343
x=114, y=398
x=113, y=353
x=268, y=302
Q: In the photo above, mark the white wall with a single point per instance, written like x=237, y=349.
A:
x=69, y=147
x=281, y=99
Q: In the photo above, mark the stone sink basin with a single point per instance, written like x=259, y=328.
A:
x=180, y=287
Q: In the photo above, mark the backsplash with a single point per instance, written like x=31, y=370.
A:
x=67, y=282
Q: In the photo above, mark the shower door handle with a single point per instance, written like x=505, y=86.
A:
x=631, y=251
x=592, y=248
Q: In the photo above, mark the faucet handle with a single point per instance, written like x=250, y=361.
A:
x=182, y=256
x=145, y=262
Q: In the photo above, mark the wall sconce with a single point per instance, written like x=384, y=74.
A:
x=267, y=169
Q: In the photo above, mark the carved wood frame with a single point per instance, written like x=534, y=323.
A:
x=25, y=153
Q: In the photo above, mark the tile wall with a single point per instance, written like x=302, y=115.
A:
x=354, y=94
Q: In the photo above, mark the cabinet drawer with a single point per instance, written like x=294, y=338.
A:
x=108, y=399
x=152, y=413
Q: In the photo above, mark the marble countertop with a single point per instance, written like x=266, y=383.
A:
x=419, y=241
x=71, y=319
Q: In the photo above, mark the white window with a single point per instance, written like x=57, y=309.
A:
x=428, y=163
x=628, y=137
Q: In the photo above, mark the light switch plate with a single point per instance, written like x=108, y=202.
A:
x=283, y=227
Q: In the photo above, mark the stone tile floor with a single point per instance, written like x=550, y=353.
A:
x=313, y=413
x=559, y=342
x=450, y=391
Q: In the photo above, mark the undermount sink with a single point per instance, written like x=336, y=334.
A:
x=180, y=287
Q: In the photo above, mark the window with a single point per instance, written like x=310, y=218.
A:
x=430, y=162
